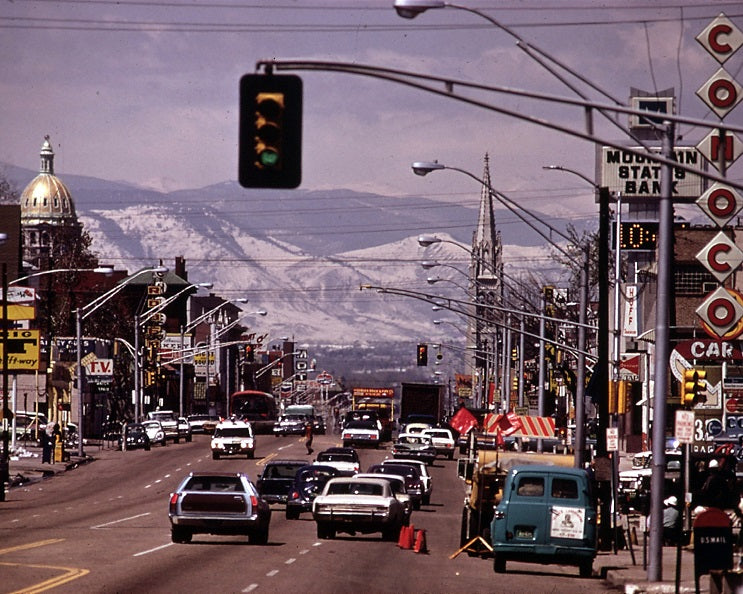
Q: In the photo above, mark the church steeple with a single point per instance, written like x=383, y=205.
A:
x=486, y=242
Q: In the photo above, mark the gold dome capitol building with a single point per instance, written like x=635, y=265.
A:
x=51, y=233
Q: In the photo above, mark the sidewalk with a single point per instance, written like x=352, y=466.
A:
x=26, y=466
x=620, y=571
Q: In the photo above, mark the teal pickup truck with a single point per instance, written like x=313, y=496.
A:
x=547, y=515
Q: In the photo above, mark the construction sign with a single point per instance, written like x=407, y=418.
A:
x=23, y=349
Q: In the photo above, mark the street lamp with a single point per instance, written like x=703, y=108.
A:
x=139, y=321
x=80, y=314
x=426, y=167
x=192, y=324
x=99, y=270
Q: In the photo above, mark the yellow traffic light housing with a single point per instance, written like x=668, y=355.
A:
x=422, y=356
x=270, y=131
x=693, y=387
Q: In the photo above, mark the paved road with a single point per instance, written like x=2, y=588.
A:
x=103, y=527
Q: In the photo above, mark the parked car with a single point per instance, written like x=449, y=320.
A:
x=346, y=460
x=309, y=482
x=399, y=490
x=136, y=437
x=155, y=432
x=232, y=438
x=366, y=505
x=184, y=429
x=169, y=421
x=546, y=515
x=422, y=468
x=361, y=433
x=634, y=484
x=290, y=425
x=442, y=440
x=202, y=423
x=411, y=476
x=277, y=479
x=218, y=503
x=416, y=446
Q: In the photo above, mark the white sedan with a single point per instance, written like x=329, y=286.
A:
x=366, y=505
x=442, y=440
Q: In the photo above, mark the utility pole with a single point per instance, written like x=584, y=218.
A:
x=662, y=358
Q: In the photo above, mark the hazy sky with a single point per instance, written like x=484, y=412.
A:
x=147, y=92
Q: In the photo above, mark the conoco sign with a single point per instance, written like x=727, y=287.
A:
x=721, y=38
x=721, y=256
x=720, y=203
x=721, y=313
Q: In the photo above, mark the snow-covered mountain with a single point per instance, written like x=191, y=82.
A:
x=300, y=255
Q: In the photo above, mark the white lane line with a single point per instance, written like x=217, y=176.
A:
x=272, y=573
x=289, y=561
x=167, y=476
x=165, y=546
x=317, y=544
x=250, y=588
x=119, y=521
x=304, y=551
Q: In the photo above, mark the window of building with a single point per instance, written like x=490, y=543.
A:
x=693, y=280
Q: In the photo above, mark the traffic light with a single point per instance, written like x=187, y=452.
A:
x=270, y=131
x=422, y=355
x=693, y=386
x=249, y=353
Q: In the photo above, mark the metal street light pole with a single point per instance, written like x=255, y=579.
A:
x=80, y=314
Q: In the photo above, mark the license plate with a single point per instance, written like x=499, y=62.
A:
x=524, y=532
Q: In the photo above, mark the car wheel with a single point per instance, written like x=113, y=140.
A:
x=189, y=439
x=180, y=535
x=325, y=532
x=585, y=568
x=451, y=455
x=292, y=514
x=164, y=442
x=346, y=444
x=251, y=455
x=147, y=447
x=427, y=499
x=177, y=439
x=499, y=563
x=215, y=456
x=259, y=537
x=416, y=505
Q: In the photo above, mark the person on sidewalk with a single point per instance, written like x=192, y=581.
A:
x=308, y=437
x=47, y=444
x=671, y=521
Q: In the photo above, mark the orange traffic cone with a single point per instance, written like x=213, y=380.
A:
x=406, y=537
x=420, y=542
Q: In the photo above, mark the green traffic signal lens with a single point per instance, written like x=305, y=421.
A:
x=269, y=158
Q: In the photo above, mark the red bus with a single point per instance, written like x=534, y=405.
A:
x=259, y=408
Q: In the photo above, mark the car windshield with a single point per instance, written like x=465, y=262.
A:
x=401, y=470
x=335, y=457
x=280, y=471
x=294, y=419
x=232, y=432
x=370, y=425
x=229, y=484
x=151, y=425
x=355, y=489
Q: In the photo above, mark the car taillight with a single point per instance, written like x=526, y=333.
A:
x=294, y=495
x=173, y=501
x=253, y=501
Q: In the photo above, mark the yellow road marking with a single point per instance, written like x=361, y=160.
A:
x=265, y=459
x=31, y=545
x=70, y=573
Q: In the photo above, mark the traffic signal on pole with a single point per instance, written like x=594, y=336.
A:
x=249, y=353
x=422, y=355
x=270, y=131
x=693, y=387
